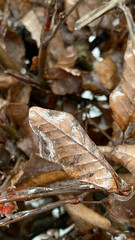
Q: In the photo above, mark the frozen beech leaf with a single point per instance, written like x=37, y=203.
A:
x=122, y=99
x=62, y=140
x=123, y=154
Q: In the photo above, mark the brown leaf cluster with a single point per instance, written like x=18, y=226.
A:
x=67, y=132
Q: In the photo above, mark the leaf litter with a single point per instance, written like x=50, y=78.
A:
x=52, y=154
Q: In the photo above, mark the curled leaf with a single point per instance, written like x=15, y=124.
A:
x=123, y=154
x=121, y=208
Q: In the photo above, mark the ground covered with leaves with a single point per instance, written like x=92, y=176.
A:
x=67, y=119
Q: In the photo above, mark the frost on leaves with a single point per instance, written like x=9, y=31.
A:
x=63, y=141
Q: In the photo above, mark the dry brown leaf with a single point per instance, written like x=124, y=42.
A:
x=6, y=81
x=86, y=218
x=2, y=3
x=83, y=8
x=15, y=48
x=19, y=7
x=108, y=73
x=120, y=208
x=64, y=81
x=67, y=58
x=90, y=81
x=122, y=154
x=63, y=141
x=18, y=114
x=128, y=177
x=43, y=174
x=60, y=55
x=122, y=99
x=27, y=145
x=33, y=25
x=19, y=93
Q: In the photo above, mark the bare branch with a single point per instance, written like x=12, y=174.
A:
x=46, y=32
x=61, y=21
x=32, y=193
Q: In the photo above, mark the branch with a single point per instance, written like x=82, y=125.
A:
x=96, y=13
x=30, y=213
x=23, y=78
x=47, y=37
x=32, y=193
x=62, y=18
x=46, y=32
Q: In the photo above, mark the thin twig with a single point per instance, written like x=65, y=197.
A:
x=95, y=13
x=32, y=193
x=30, y=213
x=101, y=10
x=61, y=21
x=46, y=32
x=24, y=79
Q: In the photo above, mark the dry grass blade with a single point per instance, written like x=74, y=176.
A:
x=122, y=99
x=63, y=141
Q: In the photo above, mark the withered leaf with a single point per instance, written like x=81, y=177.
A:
x=86, y=218
x=33, y=25
x=15, y=48
x=108, y=73
x=123, y=154
x=6, y=81
x=122, y=98
x=44, y=173
x=63, y=141
x=90, y=81
x=121, y=208
x=64, y=82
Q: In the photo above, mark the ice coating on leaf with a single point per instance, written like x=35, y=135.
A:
x=63, y=141
x=49, y=153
